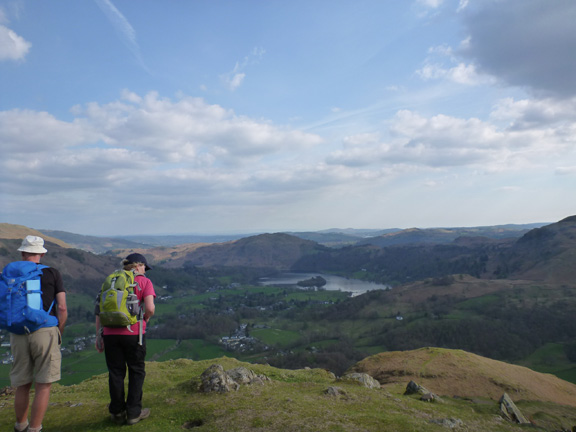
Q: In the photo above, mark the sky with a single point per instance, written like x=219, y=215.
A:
x=123, y=117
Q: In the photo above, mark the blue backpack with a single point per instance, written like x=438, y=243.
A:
x=21, y=309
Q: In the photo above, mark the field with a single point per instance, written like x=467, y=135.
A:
x=297, y=328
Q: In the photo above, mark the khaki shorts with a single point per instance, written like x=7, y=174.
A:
x=37, y=357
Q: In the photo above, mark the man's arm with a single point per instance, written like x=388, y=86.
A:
x=61, y=310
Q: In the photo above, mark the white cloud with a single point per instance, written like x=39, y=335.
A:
x=12, y=46
x=443, y=64
x=235, y=77
x=123, y=27
x=524, y=135
x=536, y=113
x=234, y=81
x=431, y=3
x=186, y=147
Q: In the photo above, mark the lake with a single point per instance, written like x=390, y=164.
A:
x=333, y=283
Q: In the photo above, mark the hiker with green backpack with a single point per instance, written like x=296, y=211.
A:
x=124, y=306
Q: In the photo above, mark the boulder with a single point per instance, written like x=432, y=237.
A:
x=450, y=423
x=510, y=411
x=214, y=379
x=242, y=375
x=362, y=378
x=413, y=388
x=335, y=391
x=427, y=395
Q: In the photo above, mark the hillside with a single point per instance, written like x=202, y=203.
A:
x=94, y=244
x=544, y=254
x=447, y=235
x=160, y=255
x=466, y=375
x=274, y=251
x=306, y=400
x=11, y=231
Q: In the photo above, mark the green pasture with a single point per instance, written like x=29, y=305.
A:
x=479, y=303
x=194, y=349
x=276, y=337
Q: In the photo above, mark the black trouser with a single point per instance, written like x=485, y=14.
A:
x=122, y=352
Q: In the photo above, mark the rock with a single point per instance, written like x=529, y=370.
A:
x=413, y=388
x=335, y=391
x=427, y=395
x=214, y=379
x=242, y=375
x=430, y=397
x=510, y=411
x=362, y=378
x=449, y=423
x=7, y=391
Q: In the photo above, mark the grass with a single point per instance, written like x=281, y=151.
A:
x=291, y=401
x=276, y=337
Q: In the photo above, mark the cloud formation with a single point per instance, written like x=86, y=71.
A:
x=525, y=43
x=235, y=77
x=472, y=102
x=12, y=45
x=123, y=27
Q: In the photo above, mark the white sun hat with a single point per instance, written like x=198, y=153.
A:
x=33, y=244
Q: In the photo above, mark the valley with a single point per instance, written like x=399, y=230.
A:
x=448, y=294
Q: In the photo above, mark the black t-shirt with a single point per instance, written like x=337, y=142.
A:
x=50, y=284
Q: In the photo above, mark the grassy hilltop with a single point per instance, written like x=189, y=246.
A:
x=296, y=400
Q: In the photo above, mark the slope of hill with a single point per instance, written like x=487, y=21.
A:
x=92, y=243
x=447, y=235
x=466, y=375
x=11, y=231
x=291, y=400
x=273, y=251
x=544, y=254
x=160, y=255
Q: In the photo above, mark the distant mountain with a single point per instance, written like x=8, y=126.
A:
x=547, y=253
x=92, y=243
x=543, y=253
x=176, y=240
x=338, y=238
x=447, y=235
x=100, y=245
x=274, y=251
x=11, y=231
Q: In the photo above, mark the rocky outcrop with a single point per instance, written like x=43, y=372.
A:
x=215, y=379
x=426, y=395
x=450, y=423
x=510, y=411
x=362, y=378
x=246, y=376
x=337, y=392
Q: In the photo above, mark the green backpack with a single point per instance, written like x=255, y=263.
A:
x=119, y=305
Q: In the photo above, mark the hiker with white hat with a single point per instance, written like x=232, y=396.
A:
x=36, y=351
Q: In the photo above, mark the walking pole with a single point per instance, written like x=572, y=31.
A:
x=141, y=327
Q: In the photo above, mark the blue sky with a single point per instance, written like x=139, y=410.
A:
x=149, y=117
